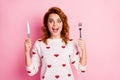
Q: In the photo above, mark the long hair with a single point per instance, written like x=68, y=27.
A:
x=65, y=27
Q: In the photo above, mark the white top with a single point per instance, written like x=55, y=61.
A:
x=55, y=59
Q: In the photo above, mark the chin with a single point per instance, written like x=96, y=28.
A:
x=55, y=34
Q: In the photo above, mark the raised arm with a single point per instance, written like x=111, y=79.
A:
x=83, y=59
x=28, y=45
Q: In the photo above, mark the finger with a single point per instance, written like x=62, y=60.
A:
x=81, y=38
x=27, y=44
x=28, y=40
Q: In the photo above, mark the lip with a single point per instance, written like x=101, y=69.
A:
x=55, y=29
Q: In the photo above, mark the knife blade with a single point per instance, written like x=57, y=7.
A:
x=28, y=29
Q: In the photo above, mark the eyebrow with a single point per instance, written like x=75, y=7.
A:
x=53, y=19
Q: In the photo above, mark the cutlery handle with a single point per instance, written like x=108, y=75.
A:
x=80, y=32
x=28, y=35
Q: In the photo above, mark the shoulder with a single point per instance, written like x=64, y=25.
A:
x=38, y=41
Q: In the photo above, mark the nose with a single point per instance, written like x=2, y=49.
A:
x=55, y=24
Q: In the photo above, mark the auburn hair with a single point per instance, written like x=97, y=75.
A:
x=65, y=27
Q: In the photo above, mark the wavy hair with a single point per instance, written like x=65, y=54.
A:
x=65, y=27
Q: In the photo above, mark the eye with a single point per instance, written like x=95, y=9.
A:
x=50, y=21
x=59, y=21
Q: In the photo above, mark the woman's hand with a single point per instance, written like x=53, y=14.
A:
x=83, y=59
x=81, y=44
x=28, y=44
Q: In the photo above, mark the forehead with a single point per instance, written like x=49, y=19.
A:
x=54, y=16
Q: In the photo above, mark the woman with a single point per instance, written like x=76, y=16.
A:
x=55, y=51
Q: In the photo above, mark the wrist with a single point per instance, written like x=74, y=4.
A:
x=27, y=51
x=83, y=51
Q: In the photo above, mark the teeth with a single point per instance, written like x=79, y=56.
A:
x=55, y=29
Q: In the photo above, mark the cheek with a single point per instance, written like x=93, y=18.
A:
x=61, y=26
x=49, y=25
x=49, y=28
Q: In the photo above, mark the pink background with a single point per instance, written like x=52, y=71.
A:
x=101, y=30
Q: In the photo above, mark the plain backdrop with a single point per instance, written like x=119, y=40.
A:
x=101, y=30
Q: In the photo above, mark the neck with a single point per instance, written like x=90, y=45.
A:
x=55, y=37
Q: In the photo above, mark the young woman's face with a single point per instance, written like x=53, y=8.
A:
x=55, y=25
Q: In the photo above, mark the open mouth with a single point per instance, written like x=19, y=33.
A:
x=55, y=29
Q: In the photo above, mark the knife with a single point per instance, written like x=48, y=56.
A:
x=28, y=29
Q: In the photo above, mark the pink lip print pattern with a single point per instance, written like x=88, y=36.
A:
x=56, y=55
x=57, y=76
x=49, y=66
x=63, y=65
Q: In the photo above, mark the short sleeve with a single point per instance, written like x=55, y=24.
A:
x=34, y=67
x=75, y=58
